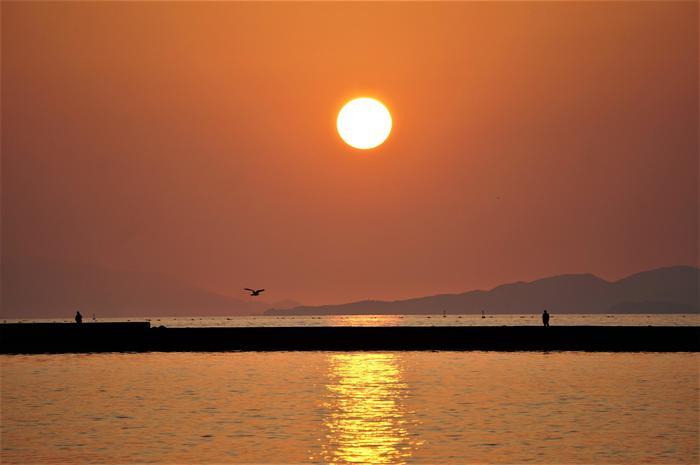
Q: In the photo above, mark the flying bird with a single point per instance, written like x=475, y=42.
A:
x=254, y=292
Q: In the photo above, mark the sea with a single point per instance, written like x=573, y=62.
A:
x=689, y=319
x=394, y=407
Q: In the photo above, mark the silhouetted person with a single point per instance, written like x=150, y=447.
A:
x=545, y=318
x=78, y=317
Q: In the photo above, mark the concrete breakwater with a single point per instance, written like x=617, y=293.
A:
x=141, y=337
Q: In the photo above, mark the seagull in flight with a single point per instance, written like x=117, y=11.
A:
x=254, y=292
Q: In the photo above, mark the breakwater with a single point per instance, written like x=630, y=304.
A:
x=141, y=337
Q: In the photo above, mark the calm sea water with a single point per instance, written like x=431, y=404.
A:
x=326, y=407
x=404, y=320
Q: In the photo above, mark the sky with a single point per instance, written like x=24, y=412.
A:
x=198, y=140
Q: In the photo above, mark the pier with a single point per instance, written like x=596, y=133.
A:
x=31, y=338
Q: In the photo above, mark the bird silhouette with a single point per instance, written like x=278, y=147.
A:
x=254, y=292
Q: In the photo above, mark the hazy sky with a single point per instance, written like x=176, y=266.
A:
x=198, y=140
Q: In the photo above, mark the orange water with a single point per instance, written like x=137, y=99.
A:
x=532, y=319
x=325, y=407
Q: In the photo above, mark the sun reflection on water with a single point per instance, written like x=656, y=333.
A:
x=366, y=420
x=363, y=320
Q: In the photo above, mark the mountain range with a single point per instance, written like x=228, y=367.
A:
x=41, y=288
x=662, y=290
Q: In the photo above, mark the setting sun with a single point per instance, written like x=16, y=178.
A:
x=364, y=123
x=347, y=232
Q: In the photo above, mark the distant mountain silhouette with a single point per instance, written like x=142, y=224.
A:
x=282, y=304
x=663, y=290
x=36, y=288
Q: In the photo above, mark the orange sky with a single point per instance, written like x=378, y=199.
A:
x=198, y=140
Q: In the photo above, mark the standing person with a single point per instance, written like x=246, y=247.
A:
x=545, y=318
x=78, y=317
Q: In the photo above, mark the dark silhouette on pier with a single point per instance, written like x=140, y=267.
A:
x=545, y=318
x=141, y=337
x=78, y=317
x=254, y=292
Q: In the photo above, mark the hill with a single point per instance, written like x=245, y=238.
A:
x=38, y=288
x=662, y=290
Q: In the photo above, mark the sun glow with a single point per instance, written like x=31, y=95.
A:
x=364, y=123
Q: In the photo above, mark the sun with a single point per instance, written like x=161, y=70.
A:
x=364, y=123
